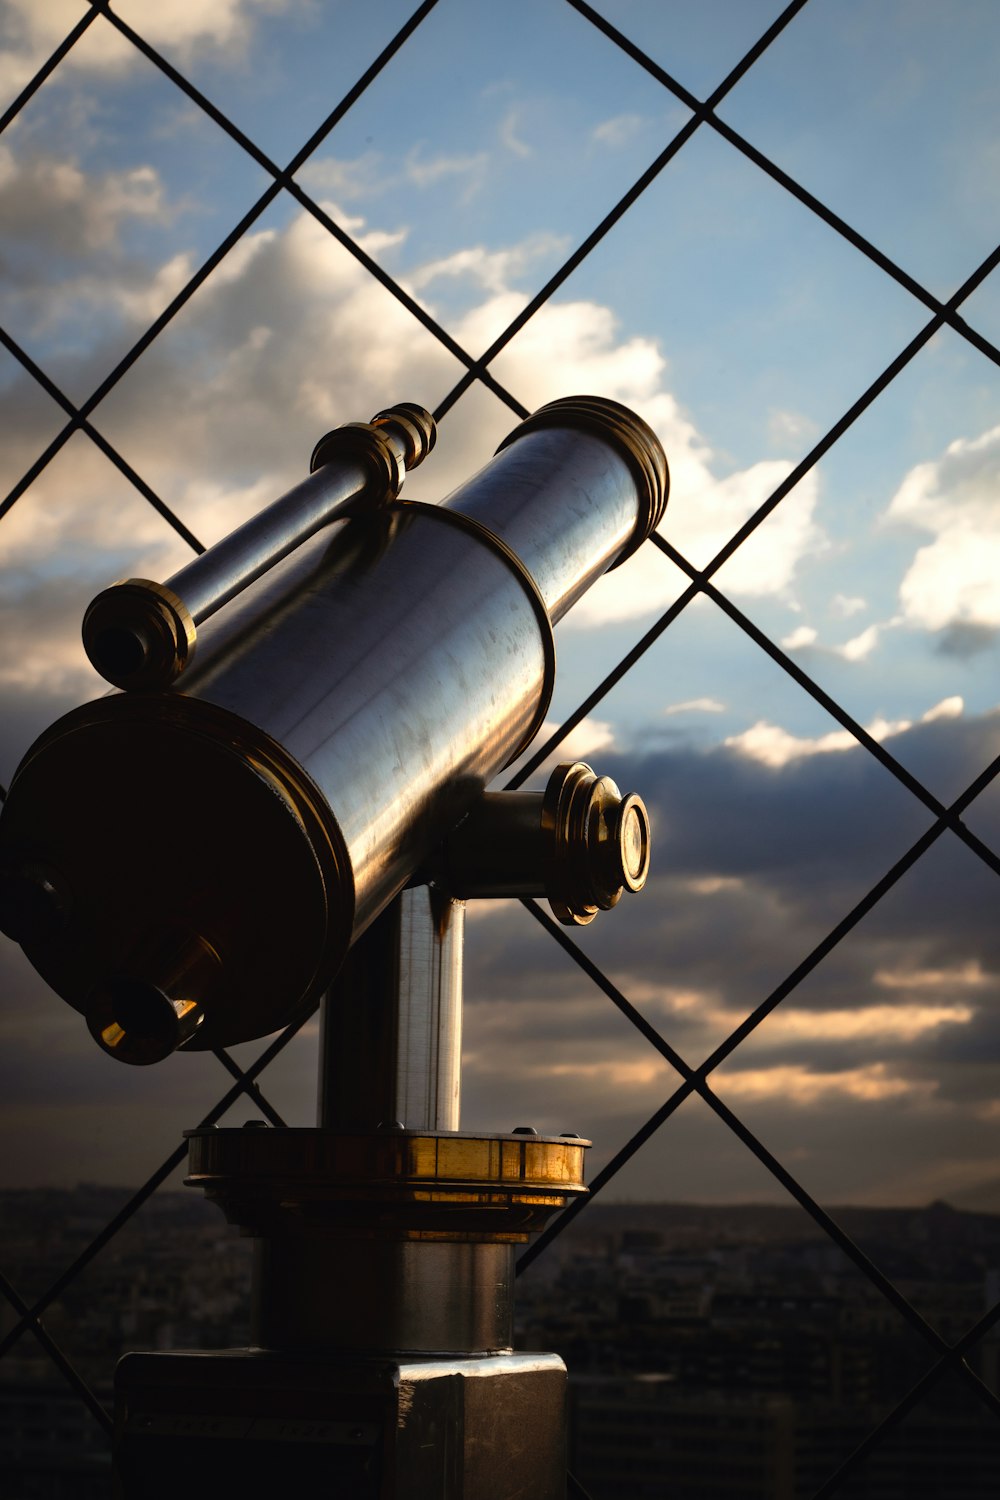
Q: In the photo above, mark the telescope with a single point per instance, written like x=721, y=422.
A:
x=284, y=801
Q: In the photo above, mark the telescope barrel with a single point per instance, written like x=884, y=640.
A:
x=345, y=711
x=573, y=492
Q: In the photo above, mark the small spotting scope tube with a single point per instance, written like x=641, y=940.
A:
x=141, y=635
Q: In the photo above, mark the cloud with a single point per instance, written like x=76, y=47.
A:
x=491, y=270
x=32, y=31
x=953, y=581
x=573, y=346
x=588, y=738
x=696, y=706
x=51, y=202
x=774, y=746
x=510, y=125
x=373, y=175
x=802, y=635
x=869, y=1022
x=873, y=1073
x=288, y=337
x=968, y=975
x=790, y=428
x=948, y=708
x=423, y=172
x=618, y=130
x=803, y=1086
x=859, y=647
x=846, y=605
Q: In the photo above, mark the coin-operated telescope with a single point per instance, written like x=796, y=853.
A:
x=285, y=800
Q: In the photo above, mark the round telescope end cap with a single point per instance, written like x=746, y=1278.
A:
x=138, y=634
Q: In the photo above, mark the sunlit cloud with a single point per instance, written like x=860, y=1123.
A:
x=955, y=579
x=34, y=30
x=789, y=1023
x=614, y=1073
x=711, y=885
x=777, y=747
x=587, y=738
x=677, y=999
x=493, y=270
x=800, y=1085
x=949, y=708
x=864, y=1023
x=969, y=975
x=801, y=636
x=859, y=647
x=789, y=428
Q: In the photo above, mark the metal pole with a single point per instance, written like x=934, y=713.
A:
x=391, y=1023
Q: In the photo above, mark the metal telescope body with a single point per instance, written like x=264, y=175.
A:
x=220, y=842
x=288, y=794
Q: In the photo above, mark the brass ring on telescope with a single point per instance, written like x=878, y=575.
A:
x=499, y=546
x=369, y=445
x=417, y=426
x=634, y=438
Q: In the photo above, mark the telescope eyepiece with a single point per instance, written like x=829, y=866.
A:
x=580, y=843
x=597, y=843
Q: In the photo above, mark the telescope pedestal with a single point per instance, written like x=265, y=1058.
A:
x=265, y=1425
x=380, y=1361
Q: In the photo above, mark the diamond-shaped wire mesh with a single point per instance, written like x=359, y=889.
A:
x=698, y=118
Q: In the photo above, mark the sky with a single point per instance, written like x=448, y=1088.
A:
x=742, y=327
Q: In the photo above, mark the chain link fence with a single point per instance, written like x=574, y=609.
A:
x=943, y=1358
